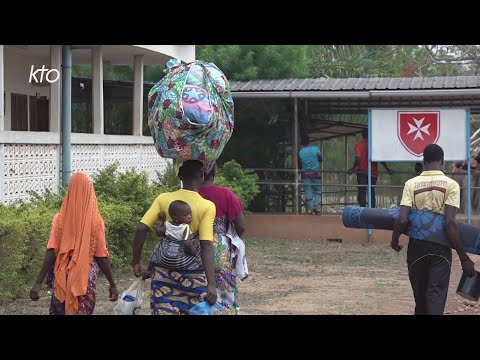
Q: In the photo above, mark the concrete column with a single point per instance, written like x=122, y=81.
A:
x=66, y=138
x=97, y=90
x=55, y=89
x=2, y=126
x=138, y=95
x=295, y=156
x=2, y=105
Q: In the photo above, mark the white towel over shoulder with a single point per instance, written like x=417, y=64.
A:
x=240, y=269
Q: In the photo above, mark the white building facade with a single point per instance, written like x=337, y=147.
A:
x=30, y=116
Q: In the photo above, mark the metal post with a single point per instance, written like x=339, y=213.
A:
x=2, y=88
x=321, y=167
x=66, y=115
x=369, y=166
x=98, y=111
x=469, y=199
x=295, y=153
x=137, y=127
x=307, y=116
x=2, y=125
x=346, y=169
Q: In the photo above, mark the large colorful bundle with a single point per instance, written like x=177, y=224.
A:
x=190, y=112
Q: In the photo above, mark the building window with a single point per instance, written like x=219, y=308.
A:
x=39, y=113
x=19, y=112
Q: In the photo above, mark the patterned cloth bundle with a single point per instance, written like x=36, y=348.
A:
x=190, y=112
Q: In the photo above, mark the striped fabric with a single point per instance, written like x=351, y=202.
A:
x=169, y=253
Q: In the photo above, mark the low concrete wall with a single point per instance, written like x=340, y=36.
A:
x=308, y=227
x=35, y=164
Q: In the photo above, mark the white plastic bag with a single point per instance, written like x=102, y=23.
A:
x=131, y=300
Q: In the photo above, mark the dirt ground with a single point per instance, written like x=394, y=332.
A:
x=309, y=277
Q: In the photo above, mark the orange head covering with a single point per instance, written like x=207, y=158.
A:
x=78, y=220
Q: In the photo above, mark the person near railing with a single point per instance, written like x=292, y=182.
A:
x=360, y=166
x=475, y=181
x=418, y=168
x=309, y=157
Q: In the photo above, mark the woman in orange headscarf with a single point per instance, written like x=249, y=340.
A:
x=78, y=249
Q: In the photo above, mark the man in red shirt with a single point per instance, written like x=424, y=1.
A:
x=361, y=167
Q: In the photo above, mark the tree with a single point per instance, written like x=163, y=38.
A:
x=392, y=60
x=349, y=60
x=464, y=57
x=117, y=72
x=247, y=62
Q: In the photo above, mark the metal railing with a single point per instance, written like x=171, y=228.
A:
x=388, y=192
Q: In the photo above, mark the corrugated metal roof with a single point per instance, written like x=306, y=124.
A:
x=358, y=84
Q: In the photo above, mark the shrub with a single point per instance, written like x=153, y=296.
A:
x=122, y=199
x=12, y=250
x=24, y=232
x=167, y=182
x=120, y=225
x=48, y=199
x=242, y=182
x=125, y=188
x=38, y=222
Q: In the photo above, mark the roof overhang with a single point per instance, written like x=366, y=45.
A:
x=113, y=54
x=360, y=101
x=357, y=95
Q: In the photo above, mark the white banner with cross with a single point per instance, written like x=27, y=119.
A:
x=402, y=134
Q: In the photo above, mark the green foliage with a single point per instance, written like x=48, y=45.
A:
x=82, y=71
x=259, y=130
x=38, y=221
x=250, y=62
x=48, y=199
x=385, y=61
x=25, y=226
x=349, y=60
x=262, y=138
x=118, y=117
x=154, y=73
x=24, y=231
x=117, y=72
x=125, y=188
x=169, y=181
x=123, y=198
x=120, y=224
x=246, y=62
x=242, y=182
x=82, y=118
x=12, y=253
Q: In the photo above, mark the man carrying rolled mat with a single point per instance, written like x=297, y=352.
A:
x=429, y=264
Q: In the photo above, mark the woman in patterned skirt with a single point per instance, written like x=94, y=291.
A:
x=229, y=211
x=76, y=251
x=179, y=282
